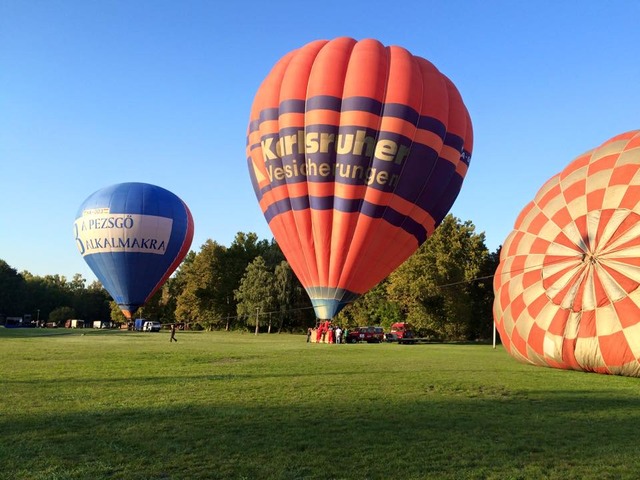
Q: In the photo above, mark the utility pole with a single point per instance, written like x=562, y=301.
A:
x=494, y=334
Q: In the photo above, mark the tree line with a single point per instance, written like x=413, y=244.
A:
x=444, y=290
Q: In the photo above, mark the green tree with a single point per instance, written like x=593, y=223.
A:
x=482, y=297
x=91, y=303
x=292, y=302
x=154, y=309
x=60, y=315
x=115, y=314
x=12, y=291
x=242, y=251
x=434, y=287
x=372, y=308
x=77, y=284
x=174, y=286
x=285, y=284
x=256, y=294
x=203, y=283
x=46, y=293
x=208, y=283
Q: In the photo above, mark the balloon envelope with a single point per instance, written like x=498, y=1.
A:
x=566, y=289
x=356, y=152
x=133, y=236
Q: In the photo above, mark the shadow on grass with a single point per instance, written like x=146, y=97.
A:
x=134, y=381
x=55, y=332
x=559, y=434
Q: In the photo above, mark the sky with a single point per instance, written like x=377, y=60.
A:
x=94, y=93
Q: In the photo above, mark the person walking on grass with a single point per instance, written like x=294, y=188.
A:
x=173, y=333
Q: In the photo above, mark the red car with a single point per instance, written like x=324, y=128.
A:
x=366, y=334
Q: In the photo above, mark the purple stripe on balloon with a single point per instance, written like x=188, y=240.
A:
x=445, y=202
x=292, y=106
x=362, y=104
x=324, y=102
x=254, y=146
x=433, y=125
x=254, y=125
x=465, y=157
x=254, y=180
x=412, y=116
x=321, y=203
x=347, y=205
x=268, y=114
x=454, y=141
x=388, y=214
x=396, y=219
x=435, y=187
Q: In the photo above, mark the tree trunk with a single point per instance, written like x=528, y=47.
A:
x=257, y=321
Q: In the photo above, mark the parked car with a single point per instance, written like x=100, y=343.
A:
x=366, y=334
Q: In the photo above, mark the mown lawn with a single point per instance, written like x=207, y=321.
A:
x=86, y=404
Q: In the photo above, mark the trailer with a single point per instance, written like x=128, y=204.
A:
x=18, y=322
x=74, y=323
x=103, y=324
x=138, y=324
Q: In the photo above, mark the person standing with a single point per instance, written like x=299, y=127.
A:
x=338, y=333
x=330, y=332
x=173, y=338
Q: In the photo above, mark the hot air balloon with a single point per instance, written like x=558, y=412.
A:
x=356, y=152
x=566, y=289
x=133, y=236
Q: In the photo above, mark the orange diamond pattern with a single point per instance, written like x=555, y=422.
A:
x=566, y=289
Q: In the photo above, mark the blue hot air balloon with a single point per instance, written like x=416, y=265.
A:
x=133, y=236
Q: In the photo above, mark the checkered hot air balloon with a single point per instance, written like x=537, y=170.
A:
x=356, y=152
x=566, y=289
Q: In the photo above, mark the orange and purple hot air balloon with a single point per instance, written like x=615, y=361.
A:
x=356, y=152
x=567, y=290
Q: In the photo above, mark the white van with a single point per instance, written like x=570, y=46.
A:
x=151, y=326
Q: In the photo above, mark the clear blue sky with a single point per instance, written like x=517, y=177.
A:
x=94, y=93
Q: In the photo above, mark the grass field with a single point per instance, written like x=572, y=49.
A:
x=85, y=404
